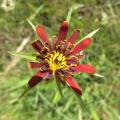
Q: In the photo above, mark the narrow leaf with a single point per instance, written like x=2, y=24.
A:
x=24, y=92
x=37, y=11
x=98, y=75
x=91, y=34
x=77, y=6
x=69, y=14
x=23, y=55
x=31, y=24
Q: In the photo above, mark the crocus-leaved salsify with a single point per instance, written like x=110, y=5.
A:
x=60, y=57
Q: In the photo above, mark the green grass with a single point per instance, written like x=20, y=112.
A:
x=101, y=96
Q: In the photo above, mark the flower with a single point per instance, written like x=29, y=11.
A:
x=59, y=57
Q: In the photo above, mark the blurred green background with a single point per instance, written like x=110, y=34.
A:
x=100, y=95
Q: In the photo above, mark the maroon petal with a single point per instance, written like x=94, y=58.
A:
x=72, y=84
x=80, y=56
x=42, y=33
x=68, y=48
x=85, y=68
x=45, y=67
x=48, y=45
x=37, y=45
x=54, y=42
x=40, y=58
x=72, y=39
x=72, y=60
x=72, y=70
x=37, y=78
x=82, y=45
x=34, y=65
x=44, y=51
x=64, y=46
x=48, y=75
x=58, y=77
x=63, y=31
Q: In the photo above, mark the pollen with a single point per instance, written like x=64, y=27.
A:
x=56, y=60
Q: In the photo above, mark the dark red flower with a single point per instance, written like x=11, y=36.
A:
x=59, y=57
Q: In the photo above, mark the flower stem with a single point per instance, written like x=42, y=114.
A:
x=58, y=86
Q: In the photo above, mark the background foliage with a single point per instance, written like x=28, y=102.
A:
x=101, y=95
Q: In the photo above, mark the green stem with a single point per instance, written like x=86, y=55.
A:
x=58, y=86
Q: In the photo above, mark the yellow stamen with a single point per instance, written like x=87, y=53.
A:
x=56, y=60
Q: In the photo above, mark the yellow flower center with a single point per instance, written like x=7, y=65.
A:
x=56, y=60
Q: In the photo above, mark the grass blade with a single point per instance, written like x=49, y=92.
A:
x=94, y=115
x=23, y=55
x=56, y=98
x=81, y=103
